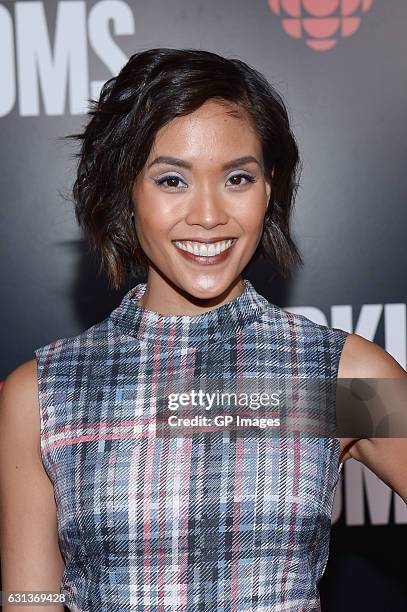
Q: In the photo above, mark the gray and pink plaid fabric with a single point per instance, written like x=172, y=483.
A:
x=215, y=522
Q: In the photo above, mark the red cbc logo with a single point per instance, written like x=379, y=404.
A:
x=320, y=22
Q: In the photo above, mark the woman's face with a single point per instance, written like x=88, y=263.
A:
x=212, y=188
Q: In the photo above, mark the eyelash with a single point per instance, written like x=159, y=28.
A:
x=163, y=179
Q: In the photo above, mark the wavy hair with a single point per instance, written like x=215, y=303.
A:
x=154, y=87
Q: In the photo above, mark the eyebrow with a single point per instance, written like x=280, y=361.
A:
x=175, y=161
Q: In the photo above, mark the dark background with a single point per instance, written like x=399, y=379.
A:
x=347, y=107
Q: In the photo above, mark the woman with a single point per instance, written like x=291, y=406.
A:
x=187, y=171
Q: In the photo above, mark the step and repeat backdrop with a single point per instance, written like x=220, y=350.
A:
x=341, y=68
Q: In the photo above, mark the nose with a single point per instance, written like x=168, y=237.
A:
x=207, y=209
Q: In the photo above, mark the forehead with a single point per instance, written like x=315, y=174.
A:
x=208, y=131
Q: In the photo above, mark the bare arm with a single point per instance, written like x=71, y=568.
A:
x=386, y=457
x=29, y=551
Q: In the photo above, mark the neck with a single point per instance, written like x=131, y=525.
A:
x=165, y=297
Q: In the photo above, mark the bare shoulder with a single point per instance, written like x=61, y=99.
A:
x=361, y=358
x=30, y=556
x=25, y=374
x=19, y=408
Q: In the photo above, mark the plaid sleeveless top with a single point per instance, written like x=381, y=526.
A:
x=185, y=523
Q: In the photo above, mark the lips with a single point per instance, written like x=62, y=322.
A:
x=206, y=259
x=209, y=249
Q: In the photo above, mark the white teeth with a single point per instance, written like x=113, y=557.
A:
x=204, y=250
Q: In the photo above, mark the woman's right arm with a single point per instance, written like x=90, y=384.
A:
x=30, y=556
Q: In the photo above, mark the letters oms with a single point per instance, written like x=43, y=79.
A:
x=32, y=68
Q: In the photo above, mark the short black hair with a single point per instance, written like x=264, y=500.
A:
x=154, y=87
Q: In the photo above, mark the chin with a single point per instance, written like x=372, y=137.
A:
x=206, y=287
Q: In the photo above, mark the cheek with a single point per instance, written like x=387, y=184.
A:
x=251, y=216
x=152, y=225
x=153, y=209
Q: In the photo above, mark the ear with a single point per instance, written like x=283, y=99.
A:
x=269, y=186
x=268, y=190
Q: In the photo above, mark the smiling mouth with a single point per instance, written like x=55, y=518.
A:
x=204, y=249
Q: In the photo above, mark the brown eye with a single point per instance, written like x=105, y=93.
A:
x=170, y=181
x=239, y=177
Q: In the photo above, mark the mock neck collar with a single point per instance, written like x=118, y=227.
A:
x=188, y=330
